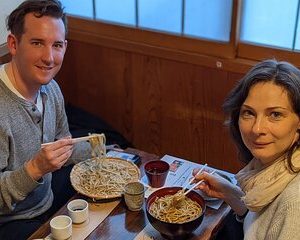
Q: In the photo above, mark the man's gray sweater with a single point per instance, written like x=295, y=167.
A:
x=22, y=130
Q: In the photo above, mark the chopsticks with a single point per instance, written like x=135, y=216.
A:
x=198, y=183
x=81, y=139
x=74, y=140
x=193, y=178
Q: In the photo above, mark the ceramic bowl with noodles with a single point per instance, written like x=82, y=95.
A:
x=175, y=222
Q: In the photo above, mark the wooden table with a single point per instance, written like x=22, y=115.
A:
x=124, y=224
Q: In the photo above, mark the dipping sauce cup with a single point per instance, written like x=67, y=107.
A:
x=157, y=172
x=61, y=227
x=78, y=210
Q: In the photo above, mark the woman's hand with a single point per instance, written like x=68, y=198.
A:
x=213, y=185
x=50, y=158
x=218, y=187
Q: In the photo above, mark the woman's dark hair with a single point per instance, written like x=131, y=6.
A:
x=40, y=8
x=280, y=73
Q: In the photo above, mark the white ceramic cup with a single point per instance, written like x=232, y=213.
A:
x=78, y=210
x=61, y=227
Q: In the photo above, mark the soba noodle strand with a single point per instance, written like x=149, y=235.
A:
x=97, y=142
x=186, y=210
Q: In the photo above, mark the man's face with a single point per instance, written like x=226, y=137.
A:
x=39, y=53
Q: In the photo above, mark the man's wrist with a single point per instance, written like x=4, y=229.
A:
x=33, y=171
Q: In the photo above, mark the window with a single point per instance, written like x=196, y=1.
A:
x=297, y=40
x=155, y=14
x=205, y=19
x=268, y=28
x=208, y=19
x=273, y=27
x=76, y=7
x=118, y=11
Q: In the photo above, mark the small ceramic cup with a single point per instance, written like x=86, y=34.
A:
x=61, y=227
x=78, y=210
x=157, y=172
x=134, y=193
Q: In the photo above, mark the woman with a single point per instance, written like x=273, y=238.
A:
x=264, y=120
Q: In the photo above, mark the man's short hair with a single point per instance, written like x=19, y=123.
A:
x=40, y=8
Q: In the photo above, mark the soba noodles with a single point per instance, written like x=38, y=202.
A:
x=184, y=211
x=97, y=142
x=105, y=176
x=101, y=175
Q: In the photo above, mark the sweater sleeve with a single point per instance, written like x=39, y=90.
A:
x=14, y=187
x=285, y=223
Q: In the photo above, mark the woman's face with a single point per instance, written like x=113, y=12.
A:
x=267, y=122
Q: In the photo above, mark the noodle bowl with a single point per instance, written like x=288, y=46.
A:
x=184, y=211
x=174, y=222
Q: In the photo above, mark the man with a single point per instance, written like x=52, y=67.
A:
x=31, y=113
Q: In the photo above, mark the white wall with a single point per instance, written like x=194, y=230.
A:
x=6, y=6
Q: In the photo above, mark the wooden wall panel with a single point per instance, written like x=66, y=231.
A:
x=161, y=106
x=146, y=102
x=96, y=80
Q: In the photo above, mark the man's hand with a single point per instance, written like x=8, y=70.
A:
x=50, y=158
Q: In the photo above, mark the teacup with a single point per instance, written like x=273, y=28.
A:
x=78, y=210
x=61, y=227
x=134, y=195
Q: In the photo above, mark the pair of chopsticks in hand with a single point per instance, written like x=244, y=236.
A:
x=198, y=183
x=74, y=140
